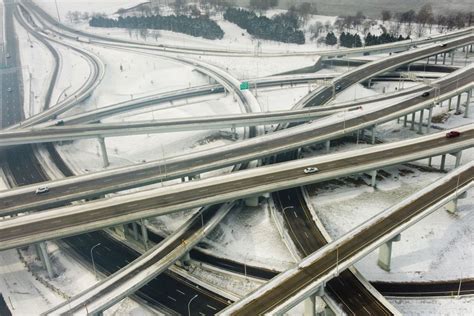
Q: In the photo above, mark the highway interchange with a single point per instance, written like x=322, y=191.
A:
x=23, y=165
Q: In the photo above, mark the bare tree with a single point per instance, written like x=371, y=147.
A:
x=386, y=15
x=316, y=29
x=425, y=14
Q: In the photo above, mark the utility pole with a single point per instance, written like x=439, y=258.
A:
x=57, y=10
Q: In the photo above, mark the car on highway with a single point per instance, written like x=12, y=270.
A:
x=453, y=134
x=59, y=123
x=41, y=190
x=9, y=89
x=425, y=94
x=442, y=44
x=310, y=170
x=338, y=87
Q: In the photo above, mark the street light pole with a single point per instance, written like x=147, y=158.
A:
x=92, y=257
x=189, y=304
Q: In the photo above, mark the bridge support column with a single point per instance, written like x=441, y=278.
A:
x=372, y=135
x=458, y=104
x=144, y=233
x=374, y=178
x=186, y=259
x=443, y=162
x=458, y=159
x=135, y=230
x=328, y=145
x=449, y=104
x=194, y=177
x=430, y=118
x=233, y=131
x=385, y=253
x=436, y=59
x=314, y=304
x=444, y=59
x=46, y=260
x=466, y=110
x=420, y=125
x=452, y=57
x=412, y=125
x=252, y=201
x=405, y=119
x=103, y=149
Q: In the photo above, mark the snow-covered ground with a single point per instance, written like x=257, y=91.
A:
x=37, y=61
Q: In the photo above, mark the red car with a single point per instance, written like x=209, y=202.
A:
x=452, y=134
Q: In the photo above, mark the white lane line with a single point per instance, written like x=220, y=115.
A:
x=180, y=292
x=172, y=298
x=211, y=307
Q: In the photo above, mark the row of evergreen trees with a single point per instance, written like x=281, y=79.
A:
x=382, y=39
x=349, y=40
x=281, y=28
x=194, y=26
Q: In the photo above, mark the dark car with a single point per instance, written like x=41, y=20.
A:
x=338, y=87
x=59, y=123
x=425, y=94
x=452, y=134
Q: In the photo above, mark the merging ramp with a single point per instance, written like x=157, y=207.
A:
x=291, y=287
x=129, y=279
x=71, y=220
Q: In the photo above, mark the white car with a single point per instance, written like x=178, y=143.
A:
x=310, y=170
x=41, y=190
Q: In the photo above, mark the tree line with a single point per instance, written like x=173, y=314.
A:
x=354, y=40
x=200, y=26
x=282, y=28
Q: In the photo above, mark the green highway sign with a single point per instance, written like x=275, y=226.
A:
x=244, y=85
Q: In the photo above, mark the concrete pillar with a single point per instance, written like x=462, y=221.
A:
x=466, y=111
x=135, y=230
x=328, y=145
x=458, y=104
x=430, y=161
x=405, y=119
x=412, y=125
x=451, y=206
x=186, y=259
x=452, y=57
x=357, y=137
x=314, y=304
x=252, y=201
x=449, y=104
x=430, y=118
x=103, y=149
x=374, y=178
x=385, y=253
x=443, y=162
x=372, y=135
x=144, y=233
x=47, y=261
x=420, y=125
x=458, y=159
x=444, y=59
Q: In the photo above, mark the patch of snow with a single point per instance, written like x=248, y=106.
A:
x=37, y=61
x=249, y=235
